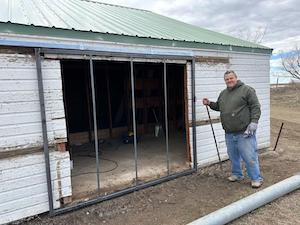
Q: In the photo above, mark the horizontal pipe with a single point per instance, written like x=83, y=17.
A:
x=250, y=203
x=121, y=193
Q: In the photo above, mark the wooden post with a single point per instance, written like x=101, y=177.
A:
x=186, y=115
x=65, y=105
x=183, y=101
x=127, y=103
x=109, y=101
x=88, y=104
x=145, y=104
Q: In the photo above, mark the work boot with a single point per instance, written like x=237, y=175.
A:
x=234, y=178
x=256, y=184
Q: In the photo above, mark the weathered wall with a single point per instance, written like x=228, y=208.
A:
x=20, y=119
x=252, y=69
x=23, y=184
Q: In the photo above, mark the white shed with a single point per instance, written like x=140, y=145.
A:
x=72, y=70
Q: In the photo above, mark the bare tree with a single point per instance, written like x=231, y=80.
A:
x=291, y=62
x=255, y=36
x=259, y=35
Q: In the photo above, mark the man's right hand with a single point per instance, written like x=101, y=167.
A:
x=205, y=101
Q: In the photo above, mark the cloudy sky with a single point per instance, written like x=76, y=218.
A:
x=279, y=20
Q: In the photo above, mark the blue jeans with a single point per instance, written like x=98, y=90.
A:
x=243, y=148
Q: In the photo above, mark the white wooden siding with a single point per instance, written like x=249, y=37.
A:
x=252, y=69
x=20, y=120
x=23, y=184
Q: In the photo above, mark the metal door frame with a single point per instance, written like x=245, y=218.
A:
x=39, y=52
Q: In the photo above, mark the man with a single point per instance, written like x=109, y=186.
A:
x=240, y=112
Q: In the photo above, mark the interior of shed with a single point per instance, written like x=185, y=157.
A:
x=114, y=119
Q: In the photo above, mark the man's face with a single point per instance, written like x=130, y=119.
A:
x=230, y=80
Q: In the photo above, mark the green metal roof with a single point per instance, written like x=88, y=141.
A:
x=93, y=20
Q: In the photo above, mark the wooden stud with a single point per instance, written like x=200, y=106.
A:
x=127, y=103
x=212, y=60
x=186, y=117
x=145, y=104
x=206, y=122
x=88, y=104
x=65, y=104
x=108, y=100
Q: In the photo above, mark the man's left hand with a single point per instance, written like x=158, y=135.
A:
x=252, y=127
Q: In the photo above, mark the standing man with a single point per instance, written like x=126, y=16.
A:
x=240, y=112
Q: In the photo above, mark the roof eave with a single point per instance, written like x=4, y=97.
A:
x=20, y=29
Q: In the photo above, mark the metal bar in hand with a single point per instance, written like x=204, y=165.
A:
x=278, y=136
x=213, y=131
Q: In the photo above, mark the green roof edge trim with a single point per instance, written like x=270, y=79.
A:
x=11, y=28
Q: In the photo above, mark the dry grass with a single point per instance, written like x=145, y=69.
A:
x=288, y=95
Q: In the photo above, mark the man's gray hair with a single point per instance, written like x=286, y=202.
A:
x=229, y=72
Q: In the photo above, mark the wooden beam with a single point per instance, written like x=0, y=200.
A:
x=212, y=59
x=19, y=152
x=82, y=137
x=87, y=93
x=186, y=115
x=205, y=122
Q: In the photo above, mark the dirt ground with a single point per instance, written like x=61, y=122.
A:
x=187, y=198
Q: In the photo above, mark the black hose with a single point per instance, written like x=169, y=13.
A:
x=105, y=171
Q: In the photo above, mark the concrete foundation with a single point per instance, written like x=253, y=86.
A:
x=117, y=164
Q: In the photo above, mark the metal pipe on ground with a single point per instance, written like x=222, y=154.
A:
x=250, y=203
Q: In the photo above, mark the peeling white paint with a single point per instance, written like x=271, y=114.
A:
x=20, y=119
x=24, y=185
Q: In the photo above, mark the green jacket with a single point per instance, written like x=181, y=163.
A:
x=238, y=106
